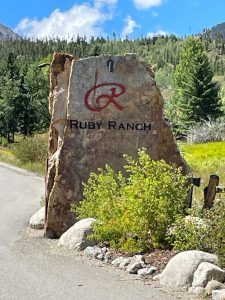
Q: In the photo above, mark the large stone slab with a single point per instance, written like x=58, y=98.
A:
x=179, y=272
x=101, y=107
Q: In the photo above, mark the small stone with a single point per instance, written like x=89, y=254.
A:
x=92, y=251
x=156, y=277
x=116, y=262
x=151, y=270
x=142, y=272
x=137, y=262
x=196, y=290
x=107, y=257
x=37, y=221
x=100, y=256
x=104, y=250
x=218, y=295
x=213, y=285
x=147, y=271
x=133, y=268
x=125, y=263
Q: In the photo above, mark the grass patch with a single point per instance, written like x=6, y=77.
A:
x=204, y=160
x=27, y=153
x=8, y=156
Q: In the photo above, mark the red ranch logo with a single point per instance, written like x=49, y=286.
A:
x=98, y=103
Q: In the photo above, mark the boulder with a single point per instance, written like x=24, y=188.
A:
x=218, y=295
x=213, y=285
x=77, y=237
x=206, y=272
x=179, y=272
x=101, y=107
x=37, y=221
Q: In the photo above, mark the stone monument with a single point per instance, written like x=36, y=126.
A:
x=101, y=107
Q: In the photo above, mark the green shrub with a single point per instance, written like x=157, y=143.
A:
x=134, y=211
x=206, y=233
x=32, y=149
x=188, y=233
x=215, y=239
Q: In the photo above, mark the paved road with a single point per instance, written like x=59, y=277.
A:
x=33, y=268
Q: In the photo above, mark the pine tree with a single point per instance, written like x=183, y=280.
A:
x=196, y=95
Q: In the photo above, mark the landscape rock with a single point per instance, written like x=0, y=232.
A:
x=76, y=237
x=37, y=221
x=213, y=285
x=100, y=256
x=196, y=290
x=116, y=262
x=207, y=272
x=137, y=262
x=125, y=262
x=149, y=270
x=101, y=107
x=107, y=257
x=218, y=295
x=179, y=272
x=93, y=251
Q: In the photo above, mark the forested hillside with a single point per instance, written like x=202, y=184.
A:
x=24, y=86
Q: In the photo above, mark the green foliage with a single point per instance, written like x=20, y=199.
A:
x=188, y=233
x=32, y=149
x=196, y=95
x=134, y=212
x=205, y=233
x=215, y=239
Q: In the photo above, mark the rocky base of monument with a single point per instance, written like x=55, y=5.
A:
x=193, y=271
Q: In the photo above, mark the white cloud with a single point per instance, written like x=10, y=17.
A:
x=129, y=26
x=100, y=3
x=82, y=20
x=145, y=4
x=157, y=33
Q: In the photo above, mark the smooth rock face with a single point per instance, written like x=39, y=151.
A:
x=37, y=221
x=206, y=272
x=101, y=108
x=179, y=272
x=218, y=295
x=76, y=237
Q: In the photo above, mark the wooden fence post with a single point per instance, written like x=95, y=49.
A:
x=210, y=191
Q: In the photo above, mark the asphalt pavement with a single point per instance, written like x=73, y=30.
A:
x=32, y=267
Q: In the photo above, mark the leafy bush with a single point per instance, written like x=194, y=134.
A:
x=188, y=233
x=32, y=149
x=215, y=239
x=206, y=233
x=207, y=131
x=134, y=212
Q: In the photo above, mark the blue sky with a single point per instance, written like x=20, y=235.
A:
x=132, y=18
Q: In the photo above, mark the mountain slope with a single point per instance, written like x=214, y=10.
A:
x=7, y=34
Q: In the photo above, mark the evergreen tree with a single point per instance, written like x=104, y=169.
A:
x=196, y=95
